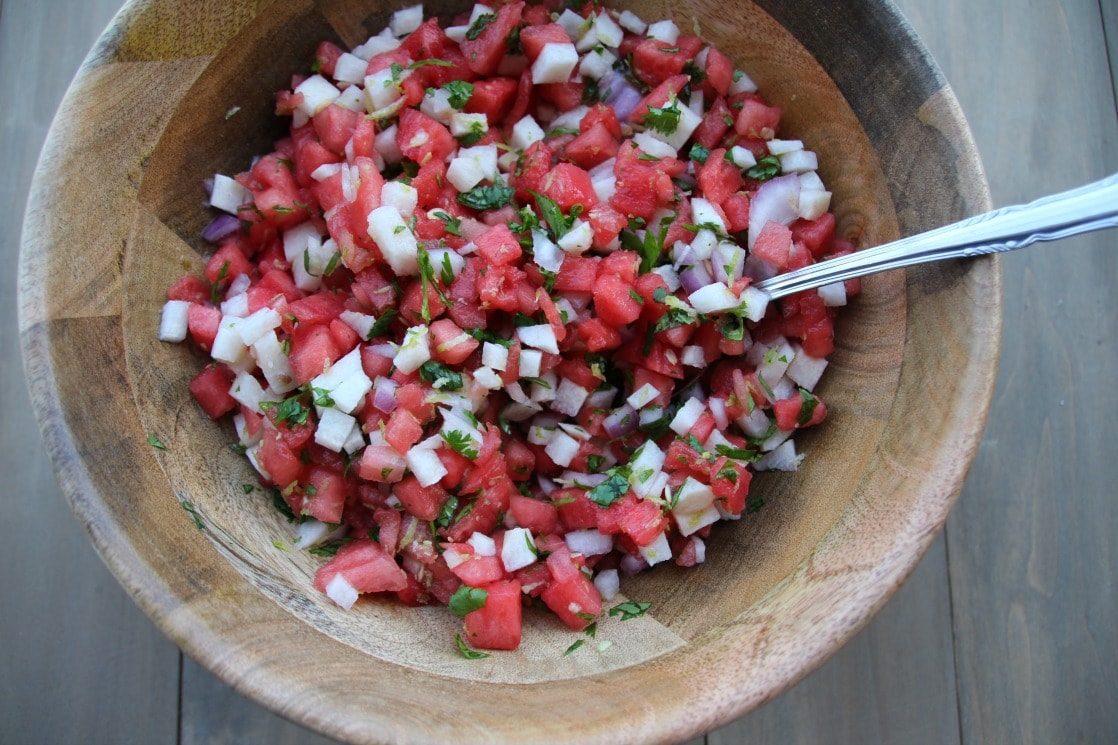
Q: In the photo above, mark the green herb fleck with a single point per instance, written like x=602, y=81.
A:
x=194, y=514
x=440, y=376
x=461, y=442
x=155, y=443
x=487, y=197
x=469, y=654
x=612, y=489
x=630, y=609
x=467, y=599
x=767, y=167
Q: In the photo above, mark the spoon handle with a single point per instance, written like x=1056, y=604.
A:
x=1050, y=218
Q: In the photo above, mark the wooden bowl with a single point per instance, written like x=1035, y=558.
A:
x=115, y=214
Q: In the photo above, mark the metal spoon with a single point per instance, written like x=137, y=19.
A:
x=1062, y=215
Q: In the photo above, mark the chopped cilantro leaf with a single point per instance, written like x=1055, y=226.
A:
x=382, y=324
x=460, y=92
x=466, y=600
x=767, y=167
x=155, y=443
x=630, y=609
x=479, y=25
x=440, y=376
x=609, y=491
x=665, y=119
x=469, y=654
x=808, y=403
x=461, y=442
x=487, y=197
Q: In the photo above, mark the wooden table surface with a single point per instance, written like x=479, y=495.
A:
x=1006, y=633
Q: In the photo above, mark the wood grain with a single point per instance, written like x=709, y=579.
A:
x=1083, y=564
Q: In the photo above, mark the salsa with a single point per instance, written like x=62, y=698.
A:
x=485, y=320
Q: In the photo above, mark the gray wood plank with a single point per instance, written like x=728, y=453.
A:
x=1110, y=31
x=1032, y=570
x=892, y=683
x=214, y=714
x=79, y=661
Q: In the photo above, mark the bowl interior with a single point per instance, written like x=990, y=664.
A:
x=780, y=590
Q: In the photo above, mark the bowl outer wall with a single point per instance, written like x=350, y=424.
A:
x=71, y=311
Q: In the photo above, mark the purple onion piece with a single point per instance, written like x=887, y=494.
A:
x=620, y=422
x=694, y=277
x=758, y=269
x=623, y=98
x=219, y=227
x=682, y=254
x=726, y=256
x=384, y=394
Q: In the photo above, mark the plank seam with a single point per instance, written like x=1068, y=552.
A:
x=954, y=639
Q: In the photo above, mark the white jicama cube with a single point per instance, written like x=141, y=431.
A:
x=754, y=423
x=799, y=161
x=273, y=363
x=652, y=145
x=555, y=63
x=569, y=398
x=297, y=239
x=670, y=276
x=406, y=20
x=578, y=239
x=525, y=132
x=227, y=195
x=596, y=63
x=414, y=351
x=425, y=466
x=544, y=388
x=495, y=356
x=781, y=458
x=538, y=337
x=334, y=428
x=349, y=68
x=444, y=258
x=693, y=356
x=630, y=21
x=325, y=171
x=173, y=323
x=605, y=186
x=688, y=122
x=691, y=522
x=345, y=381
x=341, y=591
x=228, y=347
x=530, y=361
x=687, y=416
x=703, y=213
x=362, y=323
x=402, y=196
x=834, y=294
x=742, y=158
x=643, y=396
x=771, y=359
x=463, y=124
x=258, y=324
x=664, y=31
x=464, y=173
x=693, y=496
x=382, y=88
x=781, y=147
x=588, y=542
x=318, y=93
x=518, y=549
x=775, y=440
x=813, y=203
x=805, y=371
x=374, y=45
x=609, y=33
x=483, y=544
x=574, y=24
x=713, y=298
x=246, y=391
x=657, y=551
x=608, y=582
x=355, y=441
x=561, y=448
x=352, y=98
x=754, y=303
x=396, y=241
x=487, y=377
x=385, y=144
x=311, y=532
x=741, y=83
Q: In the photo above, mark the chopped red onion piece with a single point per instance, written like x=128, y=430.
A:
x=777, y=200
x=623, y=98
x=219, y=227
x=384, y=394
x=694, y=277
x=620, y=422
